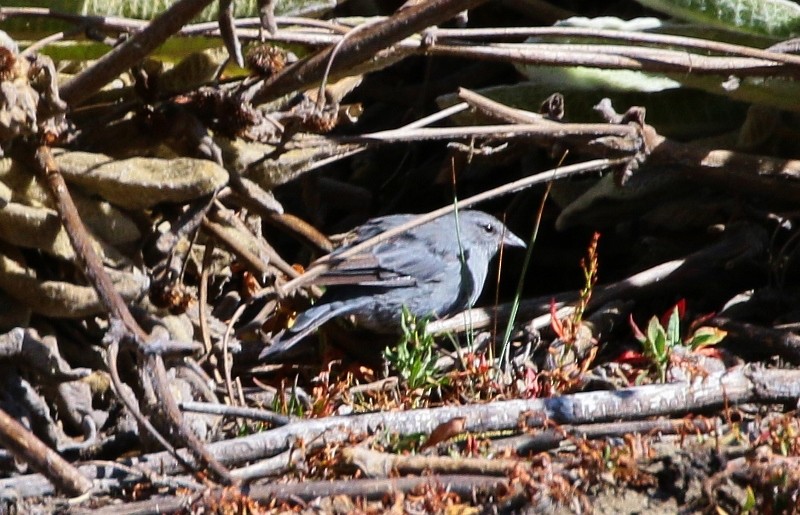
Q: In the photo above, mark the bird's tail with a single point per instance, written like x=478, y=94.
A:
x=306, y=323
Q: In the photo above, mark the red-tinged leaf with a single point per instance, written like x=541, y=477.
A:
x=445, y=431
x=632, y=357
x=555, y=322
x=532, y=388
x=706, y=336
x=637, y=333
x=680, y=306
x=700, y=320
x=710, y=352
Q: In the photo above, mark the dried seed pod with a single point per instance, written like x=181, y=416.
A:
x=173, y=296
x=8, y=62
x=266, y=60
x=224, y=113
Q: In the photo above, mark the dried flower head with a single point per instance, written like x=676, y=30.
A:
x=7, y=64
x=266, y=60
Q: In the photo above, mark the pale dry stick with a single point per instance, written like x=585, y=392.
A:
x=202, y=300
x=746, y=63
x=551, y=130
x=552, y=438
x=210, y=28
x=617, y=35
x=384, y=464
x=481, y=33
x=223, y=213
x=151, y=477
x=362, y=46
x=435, y=117
x=104, y=22
x=617, y=58
x=597, y=56
x=253, y=262
x=334, y=51
x=306, y=37
x=227, y=31
x=127, y=24
x=240, y=391
x=280, y=464
x=38, y=45
x=298, y=228
x=738, y=385
x=507, y=189
x=625, y=288
x=481, y=318
x=644, y=53
x=499, y=111
x=227, y=361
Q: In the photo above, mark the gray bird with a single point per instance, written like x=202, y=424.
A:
x=432, y=269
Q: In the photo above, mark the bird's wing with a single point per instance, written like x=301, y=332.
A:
x=401, y=261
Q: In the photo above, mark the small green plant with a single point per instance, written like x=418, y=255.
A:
x=291, y=406
x=413, y=356
x=661, y=339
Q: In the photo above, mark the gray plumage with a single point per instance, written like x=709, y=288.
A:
x=421, y=270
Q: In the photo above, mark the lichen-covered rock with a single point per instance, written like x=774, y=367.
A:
x=142, y=182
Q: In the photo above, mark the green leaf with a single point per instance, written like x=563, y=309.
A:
x=706, y=336
x=144, y=10
x=654, y=329
x=750, y=500
x=778, y=18
x=674, y=328
x=658, y=339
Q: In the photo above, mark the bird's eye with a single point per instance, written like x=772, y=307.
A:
x=488, y=228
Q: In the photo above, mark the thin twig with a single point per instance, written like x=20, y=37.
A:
x=513, y=187
x=105, y=69
x=363, y=46
x=705, y=45
x=25, y=446
x=123, y=324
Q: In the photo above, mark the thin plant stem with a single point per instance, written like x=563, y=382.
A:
x=463, y=258
x=504, y=354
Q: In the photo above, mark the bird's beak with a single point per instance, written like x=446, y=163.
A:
x=512, y=240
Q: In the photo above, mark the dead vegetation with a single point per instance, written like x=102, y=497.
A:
x=164, y=183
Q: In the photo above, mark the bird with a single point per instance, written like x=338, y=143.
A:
x=435, y=269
